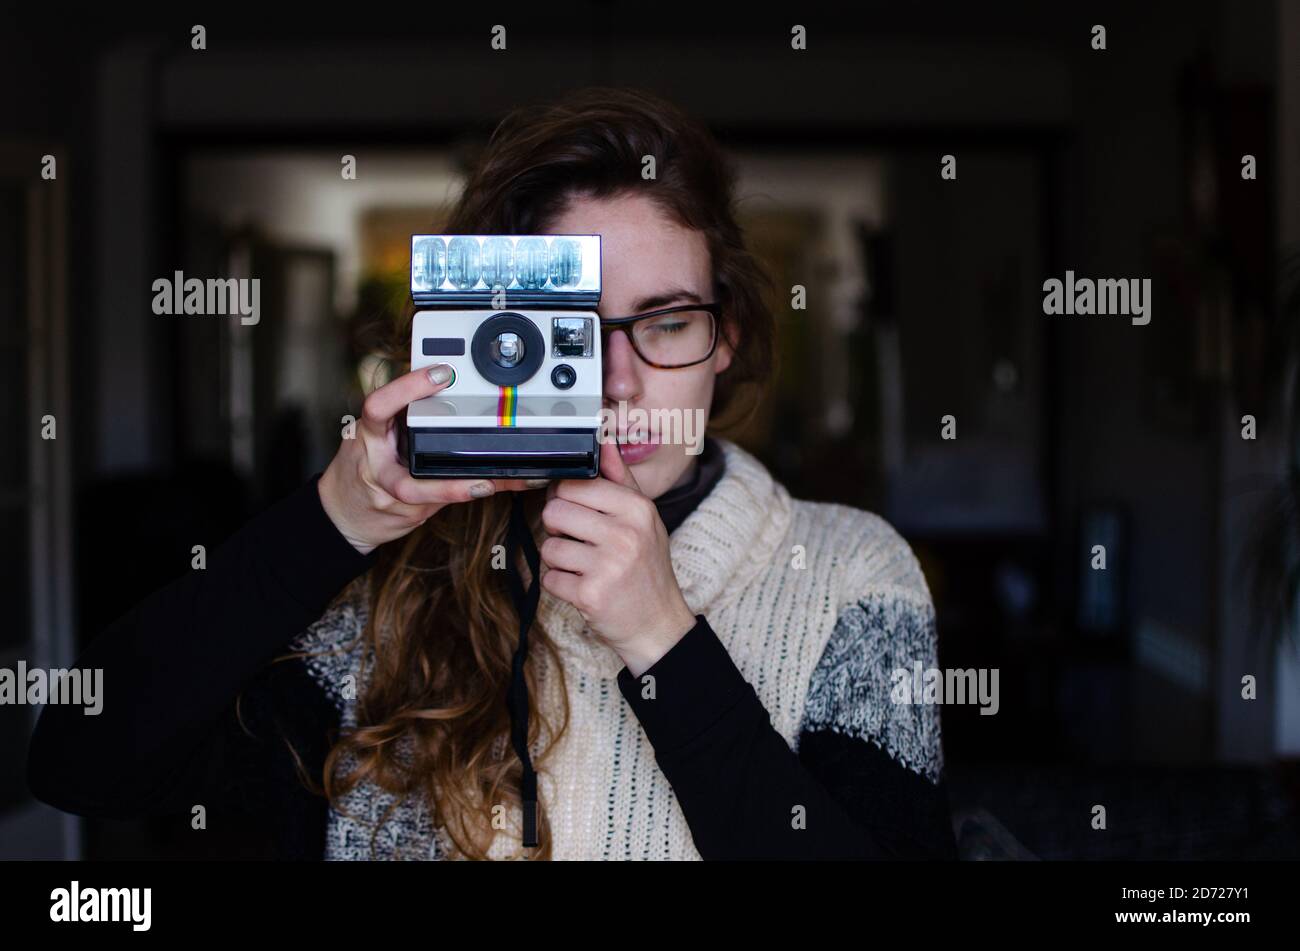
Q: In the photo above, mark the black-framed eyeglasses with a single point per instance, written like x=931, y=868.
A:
x=669, y=338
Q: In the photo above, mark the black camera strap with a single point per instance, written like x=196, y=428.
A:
x=520, y=536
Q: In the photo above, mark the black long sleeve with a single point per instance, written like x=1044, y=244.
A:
x=173, y=666
x=741, y=787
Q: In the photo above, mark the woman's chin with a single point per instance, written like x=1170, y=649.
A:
x=662, y=472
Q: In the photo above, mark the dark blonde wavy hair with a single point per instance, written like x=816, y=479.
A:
x=449, y=628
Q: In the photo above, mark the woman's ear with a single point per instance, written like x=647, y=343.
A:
x=723, y=355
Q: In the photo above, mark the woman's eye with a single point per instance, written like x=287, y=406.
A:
x=666, y=327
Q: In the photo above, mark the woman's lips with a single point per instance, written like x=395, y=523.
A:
x=634, y=452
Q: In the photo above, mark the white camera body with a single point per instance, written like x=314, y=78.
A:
x=526, y=397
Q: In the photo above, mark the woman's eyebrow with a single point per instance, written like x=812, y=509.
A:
x=671, y=296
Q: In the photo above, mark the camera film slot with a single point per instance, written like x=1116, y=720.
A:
x=506, y=453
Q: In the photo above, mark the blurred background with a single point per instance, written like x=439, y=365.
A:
x=1121, y=687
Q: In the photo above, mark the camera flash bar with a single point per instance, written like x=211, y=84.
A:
x=561, y=270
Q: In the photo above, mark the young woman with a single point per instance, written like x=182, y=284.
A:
x=711, y=663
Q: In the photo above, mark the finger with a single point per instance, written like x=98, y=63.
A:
x=613, y=468
x=564, y=554
x=390, y=399
x=562, y=517
x=401, y=486
x=599, y=494
x=562, y=584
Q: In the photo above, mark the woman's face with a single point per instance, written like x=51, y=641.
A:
x=648, y=261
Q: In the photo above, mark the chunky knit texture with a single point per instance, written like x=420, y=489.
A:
x=816, y=603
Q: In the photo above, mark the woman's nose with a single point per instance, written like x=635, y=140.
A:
x=622, y=374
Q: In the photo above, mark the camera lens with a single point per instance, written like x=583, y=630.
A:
x=563, y=377
x=507, y=350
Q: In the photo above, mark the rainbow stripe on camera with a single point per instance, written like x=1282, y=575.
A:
x=507, y=401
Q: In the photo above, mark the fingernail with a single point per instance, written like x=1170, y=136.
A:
x=536, y=483
x=440, y=373
x=481, y=489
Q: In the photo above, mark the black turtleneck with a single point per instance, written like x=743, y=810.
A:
x=676, y=504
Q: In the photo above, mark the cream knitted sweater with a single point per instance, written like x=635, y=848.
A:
x=816, y=603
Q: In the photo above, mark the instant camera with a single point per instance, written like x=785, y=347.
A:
x=515, y=317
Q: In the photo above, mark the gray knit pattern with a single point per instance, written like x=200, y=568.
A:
x=368, y=823
x=850, y=691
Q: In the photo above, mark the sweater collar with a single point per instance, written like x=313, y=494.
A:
x=731, y=536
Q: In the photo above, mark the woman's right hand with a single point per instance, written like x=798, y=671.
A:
x=368, y=493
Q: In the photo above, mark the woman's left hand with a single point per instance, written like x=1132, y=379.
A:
x=614, y=566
